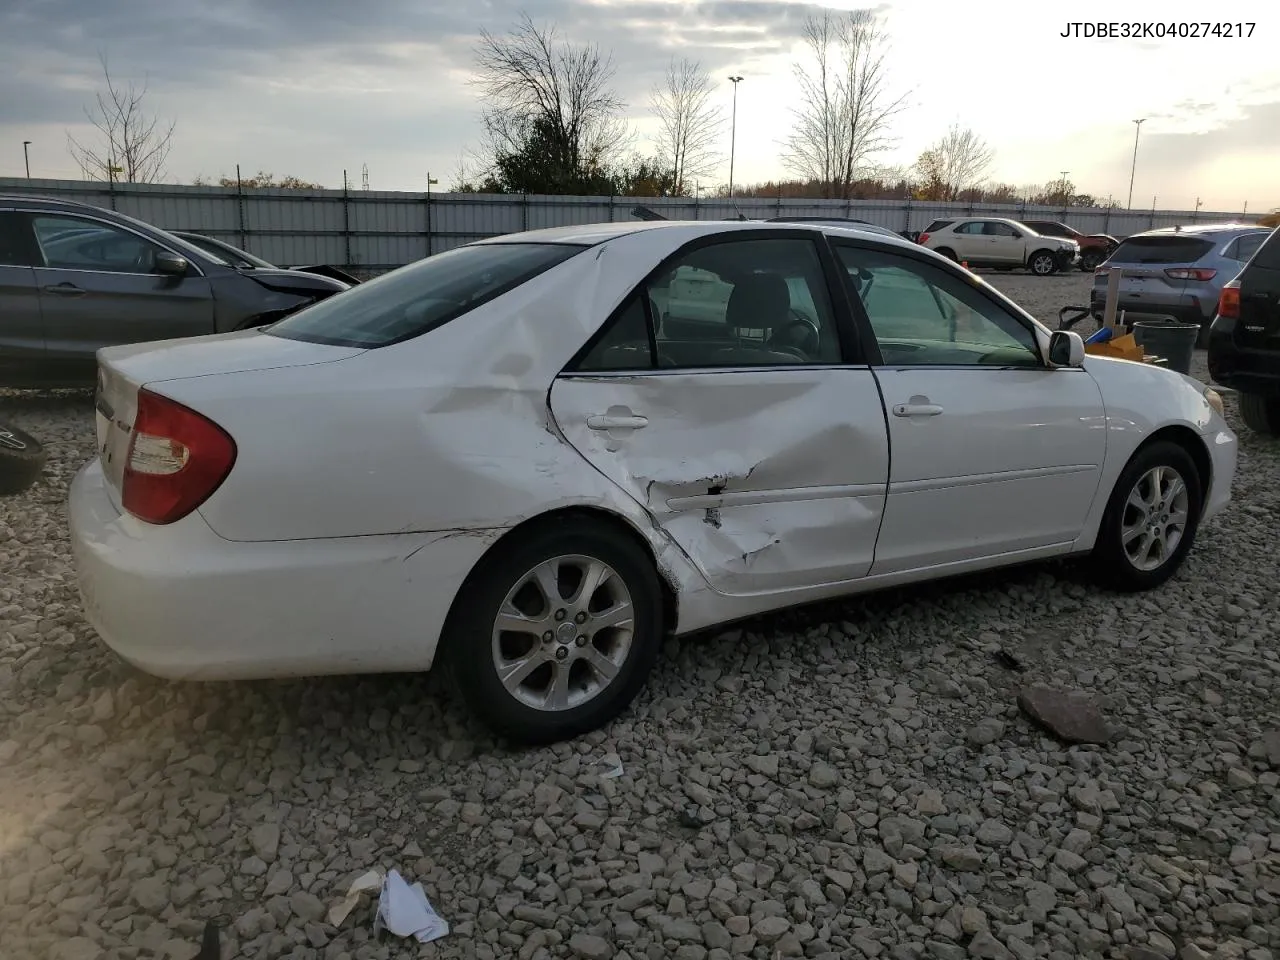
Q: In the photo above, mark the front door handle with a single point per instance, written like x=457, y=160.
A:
x=917, y=410
x=64, y=290
x=617, y=422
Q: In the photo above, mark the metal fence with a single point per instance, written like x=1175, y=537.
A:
x=370, y=231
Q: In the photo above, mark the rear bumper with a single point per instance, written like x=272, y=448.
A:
x=178, y=601
x=1186, y=309
x=1247, y=371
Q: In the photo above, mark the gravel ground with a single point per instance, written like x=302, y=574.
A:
x=853, y=781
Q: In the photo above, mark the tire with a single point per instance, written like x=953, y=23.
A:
x=22, y=459
x=949, y=254
x=1168, y=463
x=475, y=649
x=1260, y=414
x=1042, y=263
x=1091, y=259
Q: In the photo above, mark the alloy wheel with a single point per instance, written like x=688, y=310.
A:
x=1155, y=518
x=563, y=633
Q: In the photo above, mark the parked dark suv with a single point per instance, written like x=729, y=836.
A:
x=75, y=278
x=1244, y=340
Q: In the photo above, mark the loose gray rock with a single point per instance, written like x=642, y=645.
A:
x=1070, y=716
x=590, y=947
x=987, y=731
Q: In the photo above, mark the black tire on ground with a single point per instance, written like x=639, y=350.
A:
x=22, y=459
x=948, y=253
x=1147, y=489
x=1090, y=259
x=1202, y=338
x=1260, y=414
x=1042, y=263
x=472, y=646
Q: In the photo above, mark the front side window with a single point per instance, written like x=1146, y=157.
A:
x=422, y=296
x=70, y=243
x=738, y=303
x=924, y=316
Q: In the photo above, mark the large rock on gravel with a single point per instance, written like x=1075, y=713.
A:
x=1070, y=716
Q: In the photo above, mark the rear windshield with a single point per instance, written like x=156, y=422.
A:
x=1161, y=250
x=422, y=296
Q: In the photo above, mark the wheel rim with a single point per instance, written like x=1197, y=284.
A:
x=563, y=633
x=1042, y=265
x=1155, y=518
x=7, y=439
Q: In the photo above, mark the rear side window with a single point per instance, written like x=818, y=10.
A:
x=1161, y=249
x=1246, y=246
x=422, y=296
x=1268, y=255
x=935, y=225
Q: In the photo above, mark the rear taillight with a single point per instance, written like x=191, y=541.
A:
x=1190, y=273
x=923, y=238
x=1229, y=301
x=176, y=459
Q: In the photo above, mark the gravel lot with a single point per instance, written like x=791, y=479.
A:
x=846, y=782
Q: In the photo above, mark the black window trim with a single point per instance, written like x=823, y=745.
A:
x=43, y=264
x=940, y=263
x=848, y=332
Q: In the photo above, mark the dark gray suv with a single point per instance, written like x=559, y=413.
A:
x=75, y=278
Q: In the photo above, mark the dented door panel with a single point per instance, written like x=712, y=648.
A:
x=768, y=480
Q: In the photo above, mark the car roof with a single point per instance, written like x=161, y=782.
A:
x=1197, y=229
x=591, y=234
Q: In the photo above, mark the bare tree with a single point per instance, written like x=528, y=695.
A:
x=689, y=124
x=956, y=162
x=132, y=146
x=845, y=109
x=539, y=89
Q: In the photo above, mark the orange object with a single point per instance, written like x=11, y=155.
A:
x=1124, y=347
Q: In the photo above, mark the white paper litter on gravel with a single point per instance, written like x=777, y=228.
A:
x=406, y=912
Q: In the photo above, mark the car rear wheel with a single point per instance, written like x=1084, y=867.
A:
x=1042, y=263
x=1090, y=260
x=554, y=635
x=22, y=459
x=1260, y=414
x=948, y=253
x=1151, y=519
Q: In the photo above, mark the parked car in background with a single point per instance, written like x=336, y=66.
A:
x=538, y=459
x=1000, y=243
x=1244, y=339
x=236, y=257
x=1094, y=247
x=1177, y=271
x=75, y=278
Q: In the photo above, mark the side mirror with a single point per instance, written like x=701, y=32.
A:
x=171, y=264
x=1066, y=349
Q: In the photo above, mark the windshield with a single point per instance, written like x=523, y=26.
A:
x=422, y=296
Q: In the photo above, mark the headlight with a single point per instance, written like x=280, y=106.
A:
x=1214, y=399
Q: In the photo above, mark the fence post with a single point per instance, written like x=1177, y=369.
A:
x=428, y=215
x=244, y=240
x=906, y=216
x=1151, y=223
x=111, y=189
x=524, y=211
x=346, y=217
x=779, y=206
x=1106, y=222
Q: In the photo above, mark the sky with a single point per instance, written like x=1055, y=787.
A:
x=313, y=87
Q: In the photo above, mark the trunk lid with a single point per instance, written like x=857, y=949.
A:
x=1144, y=260
x=124, y=370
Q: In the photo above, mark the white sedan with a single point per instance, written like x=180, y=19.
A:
x=532, y=457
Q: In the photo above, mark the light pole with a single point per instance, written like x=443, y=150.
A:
x=733, y=131
x=26, y=157
x=1064, y=185
x=1137, y=128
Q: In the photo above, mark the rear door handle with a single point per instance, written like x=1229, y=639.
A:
x=64, y=290
x=615, y=422
x=917, y=410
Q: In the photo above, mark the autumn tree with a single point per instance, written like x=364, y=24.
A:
x=551, y=116
x=957, y=162
x=129, y=144
x=260, y=179
x=846, y=108
x=688, y=124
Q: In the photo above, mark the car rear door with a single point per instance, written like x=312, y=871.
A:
x=21, y=331
x=971, y=241
x=99, y=287
x=757, y=442
x=994, y=453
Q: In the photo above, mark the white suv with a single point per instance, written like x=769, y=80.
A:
x=1003, y=244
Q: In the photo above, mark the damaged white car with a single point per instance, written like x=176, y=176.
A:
x=531, y=457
